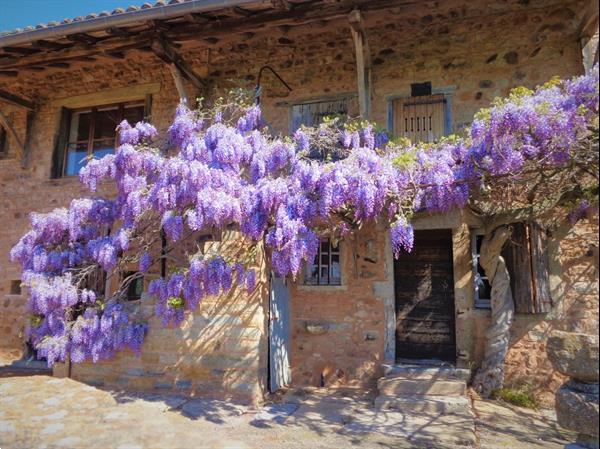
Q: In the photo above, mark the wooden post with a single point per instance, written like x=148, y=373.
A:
x=588, y=35
x=28, y=139
x=363, y=63
x=7, y=125
x=178, y=79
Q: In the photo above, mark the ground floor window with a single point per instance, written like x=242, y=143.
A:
x=326, y=267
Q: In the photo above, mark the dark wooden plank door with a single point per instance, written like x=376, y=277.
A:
x=424, y=284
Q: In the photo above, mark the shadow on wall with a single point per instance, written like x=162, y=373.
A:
x=219, y=350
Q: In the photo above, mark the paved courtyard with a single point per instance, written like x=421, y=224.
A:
x=45, y=412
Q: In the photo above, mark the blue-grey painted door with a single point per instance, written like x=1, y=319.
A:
x=279, y=334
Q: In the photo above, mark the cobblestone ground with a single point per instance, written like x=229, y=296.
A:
x=46, y=412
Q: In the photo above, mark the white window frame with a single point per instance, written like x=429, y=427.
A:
x=337, y=252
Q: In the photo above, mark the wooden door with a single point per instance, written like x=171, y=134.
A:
x=424, y=283
x=420, y=119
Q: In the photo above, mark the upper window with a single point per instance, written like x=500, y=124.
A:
x=312, y=114
x=422, y=117
x=92, y=132
x=326, y=268
x=483, y=289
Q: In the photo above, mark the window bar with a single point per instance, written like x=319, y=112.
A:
x=329, y=267
x=92, y=131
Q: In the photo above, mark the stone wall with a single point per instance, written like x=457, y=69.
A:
x=573, y=252
x=338, y=331
x=220, y=350
x=458, y=50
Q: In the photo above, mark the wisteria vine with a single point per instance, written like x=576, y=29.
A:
x=221, y=169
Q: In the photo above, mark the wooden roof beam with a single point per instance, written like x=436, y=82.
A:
x=83, y=38
x=120, y=32
x=50, y=45
x=363, y=62
x=195, y=17
x=8, y=126
x=164, y=50
x=21, y=50
x=16, y=100
x=159, y=25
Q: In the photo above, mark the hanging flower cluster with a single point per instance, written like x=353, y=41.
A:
x=223, y=169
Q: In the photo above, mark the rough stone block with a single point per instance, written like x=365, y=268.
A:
x=576, y=410
x=574, y=354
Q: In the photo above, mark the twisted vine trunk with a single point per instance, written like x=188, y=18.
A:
x=491, y=374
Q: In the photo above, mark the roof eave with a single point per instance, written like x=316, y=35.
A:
x=121, y=19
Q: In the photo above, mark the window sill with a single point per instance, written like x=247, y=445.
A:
x=322, y=288
x=14, y=296
x=484, y=304
x=62, y=180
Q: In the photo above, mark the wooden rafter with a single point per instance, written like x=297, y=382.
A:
x=21, y=50
x=16, y=100
x=164, y=50
x=214, y=28
x=179, y=85
x=8, y=126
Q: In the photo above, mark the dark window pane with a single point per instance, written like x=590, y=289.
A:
x=80, y=127
x=103, y=147
x=76, y=158
x=133, y=114
x=106, y=123
x=336, y=273
x=478, y=241
x=480, y=269
x=484, y=289
x=324, y=274
x=135, y=287
x=312, y=274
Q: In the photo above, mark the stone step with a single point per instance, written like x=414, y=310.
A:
x=433, y=387
x=426, y=372
x=423, y=404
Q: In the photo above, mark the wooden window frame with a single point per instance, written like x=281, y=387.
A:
x=347, y=98
x=91, y=140
x=527, y=260
x=447, y=92
x=330, y=252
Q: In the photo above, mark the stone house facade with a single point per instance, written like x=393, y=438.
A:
x=441, y=60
